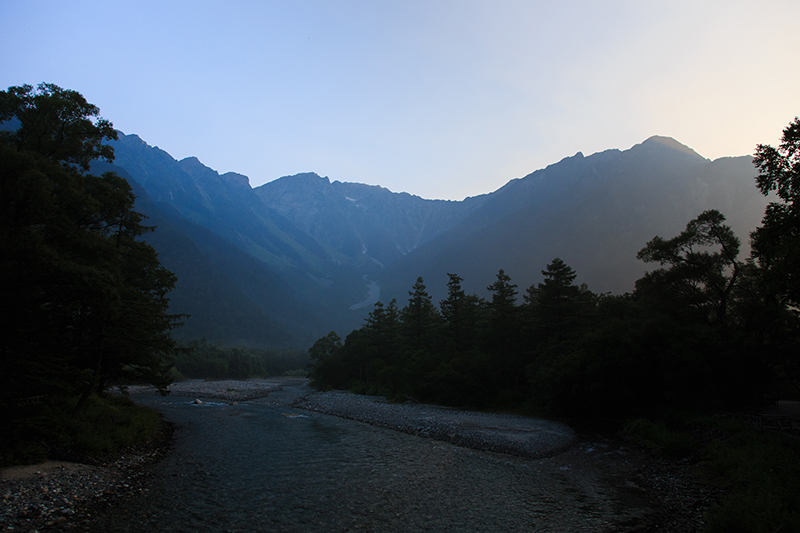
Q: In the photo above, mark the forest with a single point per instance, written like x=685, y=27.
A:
x=705, y=328
x=201, y=359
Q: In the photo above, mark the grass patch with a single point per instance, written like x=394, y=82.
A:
x=762, y=474
x=759, y=470
x=107, y=424
x=51, y=429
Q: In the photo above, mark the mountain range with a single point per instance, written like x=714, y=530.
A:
x=282, y=264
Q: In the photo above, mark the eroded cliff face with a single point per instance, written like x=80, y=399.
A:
x=362, y=221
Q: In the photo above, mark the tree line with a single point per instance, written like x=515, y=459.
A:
x=706, y=327
x=202, y=359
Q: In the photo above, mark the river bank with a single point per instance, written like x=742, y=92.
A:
x=676, y=500
x=521, y=436
x=59, y=494
x=649, y=492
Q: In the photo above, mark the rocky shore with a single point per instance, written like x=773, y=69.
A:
x=677, y=500
x=62, y=494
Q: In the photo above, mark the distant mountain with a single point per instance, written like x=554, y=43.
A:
x=226, y=204
x=289, y=261
x=362, y=223
x=593, y=212
x=217, y=281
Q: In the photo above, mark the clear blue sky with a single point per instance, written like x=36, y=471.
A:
x=443, y=99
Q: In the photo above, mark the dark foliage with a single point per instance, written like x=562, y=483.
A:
x=704, y=329
x=84, y=298
x=202, y=359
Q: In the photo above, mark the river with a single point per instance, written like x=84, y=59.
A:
x=264, y=466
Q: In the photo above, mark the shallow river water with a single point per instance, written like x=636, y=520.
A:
x=265, y=466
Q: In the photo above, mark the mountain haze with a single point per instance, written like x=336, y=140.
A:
x=593, y=212
x=361, y=223
x=224, y=203
x=300, y=256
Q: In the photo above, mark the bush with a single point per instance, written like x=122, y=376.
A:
x=107, y=424
x=51, y=429
x=762, y=474
x=656, y=436
x=760, y=471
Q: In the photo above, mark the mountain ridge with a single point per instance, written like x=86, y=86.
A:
x=329, y=248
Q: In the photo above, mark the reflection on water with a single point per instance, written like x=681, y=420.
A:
x=263, y=467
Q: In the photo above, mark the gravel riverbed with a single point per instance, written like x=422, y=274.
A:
x=514, y=435
x=675, y=499
x=62, y=495
x=226, y=389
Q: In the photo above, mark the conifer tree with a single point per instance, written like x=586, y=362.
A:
x=419, y=318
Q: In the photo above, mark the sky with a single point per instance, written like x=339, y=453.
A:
x=438, y=98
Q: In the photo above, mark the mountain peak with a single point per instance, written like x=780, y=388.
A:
x=192, y=165
x=669, y=142
x=307, y=176
x=236, y=178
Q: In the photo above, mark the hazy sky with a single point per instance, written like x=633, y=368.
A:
x=443, y=99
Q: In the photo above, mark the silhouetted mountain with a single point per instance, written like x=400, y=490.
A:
x=281, y=269
x=231, y=297
x=289, y=261
x=593, y=212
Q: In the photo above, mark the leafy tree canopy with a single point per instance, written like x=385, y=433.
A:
x=56, y=123
x=776, y=244
x=703, y=264
x=85, y=299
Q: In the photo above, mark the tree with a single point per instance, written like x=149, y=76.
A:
x=419, y=318
x=382, y=327
x=703, y=265
x=85, y=299
x=503, y=336
x=557, y=305
x=776, y=244
x=462, y=314
x=557, y=313
x=382, y=334
x=57, y=124
x=503, y=313
x=776, y=253
x=452, y=306
x=325, y=347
